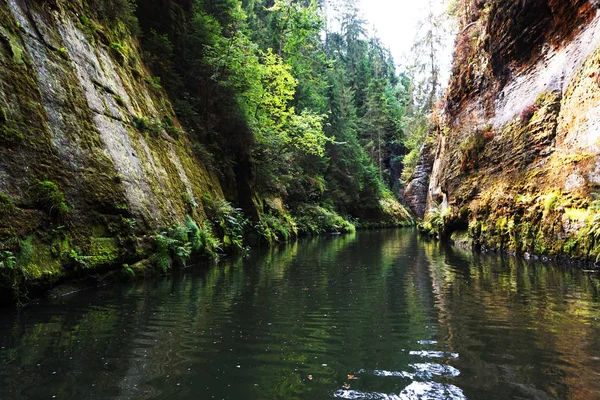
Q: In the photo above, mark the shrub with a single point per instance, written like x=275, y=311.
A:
x=229, y=220
x=202, y=238
x=277, y=227
x=176, y=245
x=172, y=247
x=435, y=221
x=313, y=219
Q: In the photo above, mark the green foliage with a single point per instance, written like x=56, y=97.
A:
x=175, y=246
x=147, y=125
x=276, y=227
x=154, y=82
x=111, y=10
x=229, y=221
x=48, y=196
x=436, y=221
x=169, y=126
x=202, y=238
x=128, y=273
x=7, y=262
x=313, y=219
x=172, y=247
x=255, y=84
x=120, y=51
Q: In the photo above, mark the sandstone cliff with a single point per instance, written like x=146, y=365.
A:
x=518, y=143
x=91, y=155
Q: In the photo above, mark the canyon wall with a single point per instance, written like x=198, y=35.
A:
x=91, y=155
x=516, y=165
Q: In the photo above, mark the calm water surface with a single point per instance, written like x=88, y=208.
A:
x=376, y=315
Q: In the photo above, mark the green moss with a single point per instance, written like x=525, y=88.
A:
x=580, y=215
x=38, y=260
x=10, y=135
x=550, y=201
x=103, y=251
x=119, y=100
x=6, y=205
x=48, y=196
x=13, y=42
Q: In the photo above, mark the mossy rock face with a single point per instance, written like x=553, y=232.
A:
x=49, y=197
x=78, y=183
x=6, y=205
x=103, y=252
x=10, y=136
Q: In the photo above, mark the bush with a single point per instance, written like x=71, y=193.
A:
x=202, y=238
x=435, y=221
x=229, y=221
x=277, y=227
x=175, y=246
x=313, y=219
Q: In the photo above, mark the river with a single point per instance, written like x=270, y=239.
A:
x=373, y=315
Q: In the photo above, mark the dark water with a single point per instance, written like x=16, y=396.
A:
x=376, y=315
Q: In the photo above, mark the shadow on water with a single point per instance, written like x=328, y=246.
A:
x=373, y=315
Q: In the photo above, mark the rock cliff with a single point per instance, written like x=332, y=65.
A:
x=91, y=154
x=517, y=158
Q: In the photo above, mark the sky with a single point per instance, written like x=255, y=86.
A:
x=395, y=22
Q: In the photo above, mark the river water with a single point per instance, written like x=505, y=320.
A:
x=374, y=315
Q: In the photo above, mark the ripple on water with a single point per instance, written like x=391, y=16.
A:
x=432, y=391
x=414, y=391
x=432, y=354
x=357, y=394
x=427, y=342
x=428, y=370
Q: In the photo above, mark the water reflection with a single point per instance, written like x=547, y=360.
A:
x=376, y=315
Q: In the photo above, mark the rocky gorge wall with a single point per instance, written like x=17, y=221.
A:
x=516, y=165
x=91, y=155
